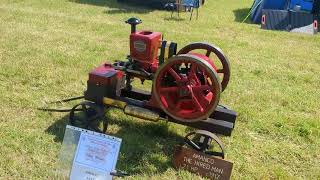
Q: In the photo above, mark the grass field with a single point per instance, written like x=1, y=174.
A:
x=47, y=48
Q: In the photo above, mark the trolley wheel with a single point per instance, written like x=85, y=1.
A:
x=89, y=116
x=201, y=140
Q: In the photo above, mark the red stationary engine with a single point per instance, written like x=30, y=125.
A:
x=186, y=85
x=186, y=88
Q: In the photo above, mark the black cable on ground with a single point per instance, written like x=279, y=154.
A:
x=61, y=101
x=57, y=110
x=67, y=100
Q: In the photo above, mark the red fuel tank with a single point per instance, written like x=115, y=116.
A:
x=144, y=47
x=104, y=81
x=105, y=75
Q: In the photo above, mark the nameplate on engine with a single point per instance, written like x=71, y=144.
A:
x=140, y=46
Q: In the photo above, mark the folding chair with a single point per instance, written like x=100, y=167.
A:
x=188, y=5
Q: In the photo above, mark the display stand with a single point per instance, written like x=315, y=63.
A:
x=87, y=155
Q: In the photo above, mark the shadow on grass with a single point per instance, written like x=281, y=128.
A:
x=174, y=19
x=58, y=128
x=124, y=6
x=241, y=14
x=146, y=148
x=115, y=7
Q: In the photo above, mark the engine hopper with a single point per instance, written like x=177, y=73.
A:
x=144, y=47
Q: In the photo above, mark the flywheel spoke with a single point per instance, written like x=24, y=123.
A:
x=208, y=53
x=174, y=74
x=200, y=95
x=192, y=73
x=196, y=101
x=193, y=68
x=202, y=99
x=202, y=88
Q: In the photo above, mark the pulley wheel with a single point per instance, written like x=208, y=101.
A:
x=187, y=88
x=89, y=116
x=223, y=71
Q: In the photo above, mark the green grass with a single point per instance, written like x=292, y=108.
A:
x=48, y=47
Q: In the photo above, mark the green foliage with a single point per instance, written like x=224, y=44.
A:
x=48, y=47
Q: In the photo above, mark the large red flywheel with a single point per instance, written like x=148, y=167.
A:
x=187, y=88
x=219, y=58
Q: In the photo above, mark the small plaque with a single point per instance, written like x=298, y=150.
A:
x=140, y=46
x=201, y=163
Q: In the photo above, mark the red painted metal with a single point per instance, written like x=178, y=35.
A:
x=204, y=57
x=263, y=20
x=103, y=75
x=144, y=47
x=192, y=94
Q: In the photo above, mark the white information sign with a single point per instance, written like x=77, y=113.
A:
x=95, y=157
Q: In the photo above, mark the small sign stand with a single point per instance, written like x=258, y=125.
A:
x=201, y=163
x=88, y=155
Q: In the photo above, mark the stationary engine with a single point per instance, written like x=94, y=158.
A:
x=186, y=85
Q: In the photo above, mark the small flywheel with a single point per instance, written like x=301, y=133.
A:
x=222, y=66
